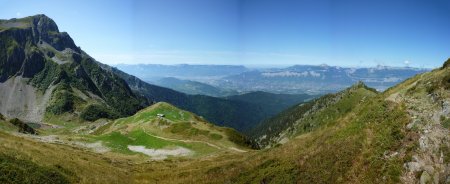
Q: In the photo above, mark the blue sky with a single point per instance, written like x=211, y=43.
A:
x=252, y=32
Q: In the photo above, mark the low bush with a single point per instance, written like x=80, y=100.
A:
x=96, y=111
x=23, y=127
x=62, y=101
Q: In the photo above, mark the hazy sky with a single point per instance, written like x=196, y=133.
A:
x=252, y=32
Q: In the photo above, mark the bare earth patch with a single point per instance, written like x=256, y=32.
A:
x=160, y=154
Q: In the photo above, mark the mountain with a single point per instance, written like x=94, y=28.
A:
x=221, y=111
x=151, y=72
x=297, y=79
x=315, y=79
x=306, y=117
x=271, y=103
x=44, y=74
x=193, y=87
x=358, y=135
x=400, y=135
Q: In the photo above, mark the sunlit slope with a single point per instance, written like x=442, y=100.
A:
x=165, y=126
x=399, y=136
x=309, y=116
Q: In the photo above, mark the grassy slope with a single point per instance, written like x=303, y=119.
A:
x=145, y=127
x=76, y=164
x=306, y=117
x=352, y=150
x=369, y=144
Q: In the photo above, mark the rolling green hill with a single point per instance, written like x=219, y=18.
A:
x=162, y=125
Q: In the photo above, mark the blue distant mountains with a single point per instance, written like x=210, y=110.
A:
x=297, y=79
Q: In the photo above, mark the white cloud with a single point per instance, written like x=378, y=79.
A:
x=18, y=14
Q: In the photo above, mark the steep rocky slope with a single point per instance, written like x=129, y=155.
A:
x=42, y=71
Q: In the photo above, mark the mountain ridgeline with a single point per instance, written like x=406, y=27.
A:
x=42, y=68
x=193, y=87
x=306, y=117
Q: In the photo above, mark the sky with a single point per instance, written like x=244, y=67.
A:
x=252, y=32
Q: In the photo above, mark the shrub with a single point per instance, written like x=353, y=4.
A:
x=446, y=81
x=446, y=64
x=215, y=136
x=445, y=122
x=62, y=101
x=96, y=111
x=236, y=137
x=23, y=127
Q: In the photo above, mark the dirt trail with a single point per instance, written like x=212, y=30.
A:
x=428, y=159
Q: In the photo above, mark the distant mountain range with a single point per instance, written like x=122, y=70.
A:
x=296, y=79
x=193, y=87
x=151, y=72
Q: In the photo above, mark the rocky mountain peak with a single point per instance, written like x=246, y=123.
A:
x=45, y=29
x=44, y=24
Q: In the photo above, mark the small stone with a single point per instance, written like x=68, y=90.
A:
x=414, y=166
x=429, y=169
x=425, y=178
